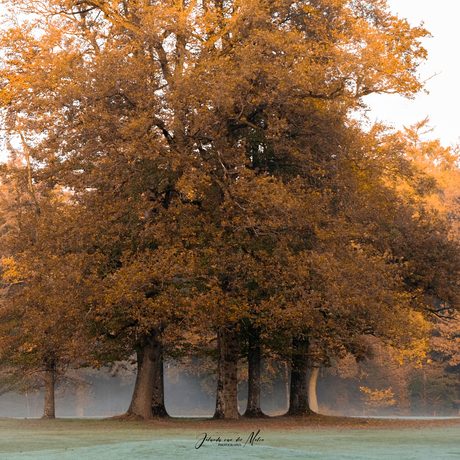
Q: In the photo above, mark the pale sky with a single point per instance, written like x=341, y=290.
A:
x=442, y=104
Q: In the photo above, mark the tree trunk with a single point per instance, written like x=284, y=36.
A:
x=50, y=370
x=253, y=410
x=158, y=397
x=312, y=400
x=147, y=357
x=227, y=372
x=298, y=401
x=287, y=384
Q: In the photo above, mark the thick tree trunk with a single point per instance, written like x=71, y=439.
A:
x=50, y=370
x=147, y=357
x=158, y=397
x=312, y=400
x=254, y=410
x=227, y=375
x=298, y=400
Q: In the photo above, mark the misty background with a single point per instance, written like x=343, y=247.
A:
x=395, y=389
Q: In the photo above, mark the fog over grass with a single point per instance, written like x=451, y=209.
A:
x=79, y=438
x=95, y=393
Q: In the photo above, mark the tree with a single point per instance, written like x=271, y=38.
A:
x=219, y=112
x=44, y=285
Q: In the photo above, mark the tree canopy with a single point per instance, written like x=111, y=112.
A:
x=193, y=166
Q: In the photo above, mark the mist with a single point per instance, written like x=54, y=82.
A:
x=190, y=391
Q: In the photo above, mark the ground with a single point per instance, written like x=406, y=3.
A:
x=317, y=437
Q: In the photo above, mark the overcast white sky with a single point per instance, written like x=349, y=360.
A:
x=442, y=104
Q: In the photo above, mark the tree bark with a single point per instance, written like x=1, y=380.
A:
x=147, y=358
x=298, y=401
x=50, y=370
x=158, y=397
x=227, y=372
x=287, y=384
x=312, y=400
x=253, y=409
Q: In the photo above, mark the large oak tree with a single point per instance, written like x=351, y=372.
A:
x=193, y=133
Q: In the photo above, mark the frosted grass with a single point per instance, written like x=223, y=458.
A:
x=70, y=440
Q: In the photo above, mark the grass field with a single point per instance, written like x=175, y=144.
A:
x=279, y=438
